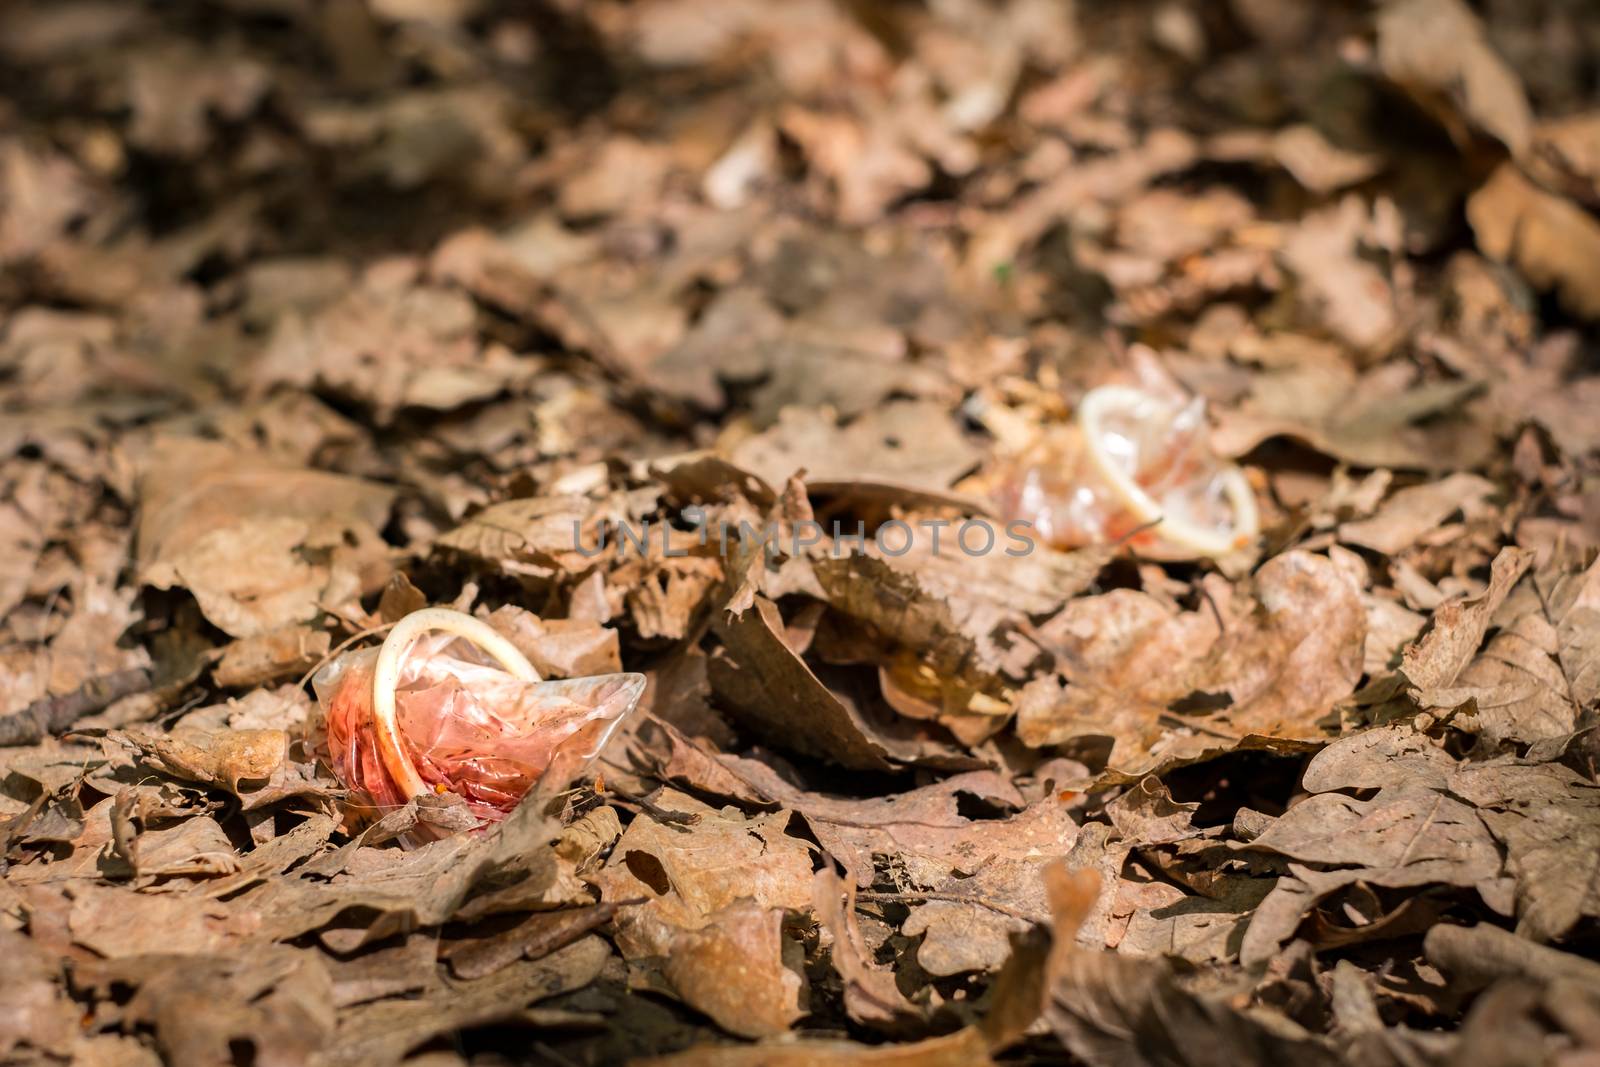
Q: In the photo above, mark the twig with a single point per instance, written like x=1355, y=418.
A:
x=52, y=715
x=347, y=621
x=340, y=647
x=1216, y=612
x=1136, y=531
x=832, y=820
x=1168, y=719
x=552, y=1056
x=1477, y=955
x=645, y=804
x=953, y=898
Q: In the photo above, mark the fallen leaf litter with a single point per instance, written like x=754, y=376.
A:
x=675, y=356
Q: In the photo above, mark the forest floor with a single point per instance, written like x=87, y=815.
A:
x=317, y=312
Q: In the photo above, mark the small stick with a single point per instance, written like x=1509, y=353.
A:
x=52, y=715
x=1136, y=531
x=650, y=807
x=1216, y=612
x=534, y=938
x=1478, y=955
x=340, y=647
x=953, y=898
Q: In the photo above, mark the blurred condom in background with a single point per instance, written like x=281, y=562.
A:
x=1130, y=458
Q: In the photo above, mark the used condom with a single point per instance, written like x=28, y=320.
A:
x=449, y=706
x=1132, y=459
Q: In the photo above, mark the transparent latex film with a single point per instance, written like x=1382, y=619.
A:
x=1162, y=448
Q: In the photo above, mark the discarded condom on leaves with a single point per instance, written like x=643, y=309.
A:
x=1130, y=459
x=448, y=705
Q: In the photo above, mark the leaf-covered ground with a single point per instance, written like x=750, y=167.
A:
x=314, y=312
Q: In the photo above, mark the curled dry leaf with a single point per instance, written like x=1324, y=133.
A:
x=687, y=874
x=962, y=615
x=1403, y=837
x=195, y=847
x=1517, y=832
x=231, y=759
x=1484, y=953
x=733, y=969
x=1547, y=818
x=1147, y=814
x=1382, y=418
x=1436, y=661
x=1438, y=51
x=1552, y=241
x=260, y=546
x=1406, y=516
x=756, y=666
x=870, y=993
x=295, y=298
x=1539, y=675
x=1109, y=1010
x=1170, y=687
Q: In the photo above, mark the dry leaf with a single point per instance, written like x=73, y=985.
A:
x=33, y=1005
x=1437, y=50
x=1346, y=292
x=1537, y=675
x=1553, y=242
x=906, y=446
x=1565, y=157
x=1170, y=688
x=1436, y=661
x=1378, y=420
x=964, y=1048
x=1404, y=836
x=1407, y=515
x=732, y=968
x=225, y=758
x=960, y=612
x=271, y=657
x=385, y=1031
x=260, y=546
x=314, y=313
x=870, y=993
x=1547, y=819
x=390, y=344
x=998, y=866
x=1110, y=1011
x=774, y=691
x=686, y=874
